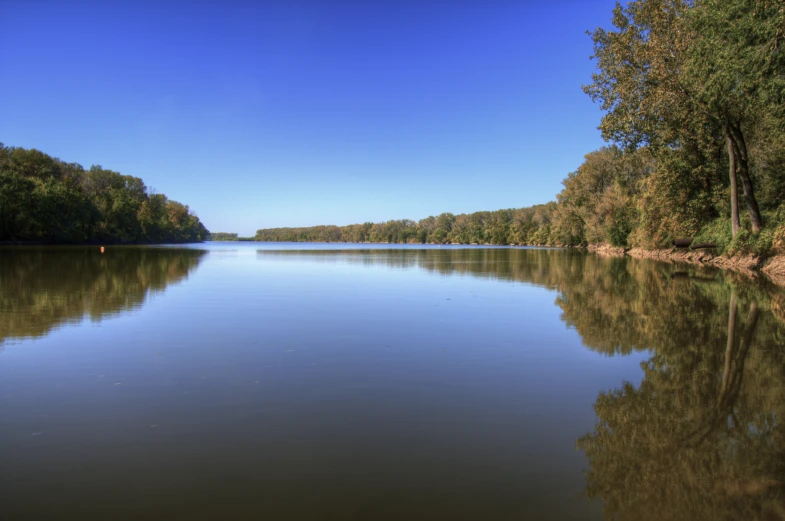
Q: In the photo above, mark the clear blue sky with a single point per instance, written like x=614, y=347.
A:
x=299, y=113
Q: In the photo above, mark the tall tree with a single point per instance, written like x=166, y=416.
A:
x=678, y=71
x=735, y=70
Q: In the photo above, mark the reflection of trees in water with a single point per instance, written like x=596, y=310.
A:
x=702, y=437
x=618, y=304
x=611, y=301
x=42, y=288
x=538, y=266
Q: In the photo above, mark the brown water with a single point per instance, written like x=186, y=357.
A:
x=248, y=381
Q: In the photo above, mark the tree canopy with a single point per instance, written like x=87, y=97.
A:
x=688, y=79
x=43, y=199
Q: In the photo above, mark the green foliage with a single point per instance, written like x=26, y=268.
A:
x=717, y=232
x=43, y=199
x=768, y=241
x=616, y=216
x=222, y=236
x=685, y=190
x=734, y=62
x=777, y=224
x=518, y=226
x=698, y=84
x=596, y=205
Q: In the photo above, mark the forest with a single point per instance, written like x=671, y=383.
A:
x=46, y=200
x=693, y=95
x=222, y=236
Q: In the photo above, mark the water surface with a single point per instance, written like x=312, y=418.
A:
x=335, y=382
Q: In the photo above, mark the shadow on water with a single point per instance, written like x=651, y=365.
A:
x=702, y=437
x=44, y=288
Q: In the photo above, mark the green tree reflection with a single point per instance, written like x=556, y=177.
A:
x=702, y=437
x=43, y=288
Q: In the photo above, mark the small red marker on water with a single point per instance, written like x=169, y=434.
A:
x=102, y=249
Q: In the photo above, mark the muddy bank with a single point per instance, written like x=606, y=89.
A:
x=773, y=267
x=607, y=250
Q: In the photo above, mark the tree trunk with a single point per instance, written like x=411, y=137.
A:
x=731, y=342
x=734, y=190
x=732, y=385
x=749, y=330
x=740, y=148
x=732, y=373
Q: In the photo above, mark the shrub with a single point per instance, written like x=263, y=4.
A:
x=770, y=240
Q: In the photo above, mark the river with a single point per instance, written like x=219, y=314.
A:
x=359, y=382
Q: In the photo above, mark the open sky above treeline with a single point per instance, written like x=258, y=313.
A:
x=270, y=114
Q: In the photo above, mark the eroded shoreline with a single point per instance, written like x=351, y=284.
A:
x=773, y=267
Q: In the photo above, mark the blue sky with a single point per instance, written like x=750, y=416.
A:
x=285, y=113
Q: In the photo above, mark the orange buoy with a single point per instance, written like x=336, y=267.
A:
x=102, y=249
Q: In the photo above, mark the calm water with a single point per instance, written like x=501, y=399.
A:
x=248, y=381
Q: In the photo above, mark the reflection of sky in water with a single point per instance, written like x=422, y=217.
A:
x=332, y=384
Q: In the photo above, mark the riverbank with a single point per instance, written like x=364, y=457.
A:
x=773, y=267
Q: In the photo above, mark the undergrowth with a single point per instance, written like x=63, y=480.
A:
x=769, y=241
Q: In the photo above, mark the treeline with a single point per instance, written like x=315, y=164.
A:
x=521, y=226
x=222, y=236
x=43, y=199
x=225, y=236
x=694, y=103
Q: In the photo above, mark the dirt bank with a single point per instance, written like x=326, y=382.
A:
x=773, y=267
x=607, y=250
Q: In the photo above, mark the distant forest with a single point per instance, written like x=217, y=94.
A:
x=693, y=95
x=522, y=226
x=43, y=199
x=222, y=236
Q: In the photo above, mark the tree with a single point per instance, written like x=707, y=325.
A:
x=674, y=73
x=733, y=69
